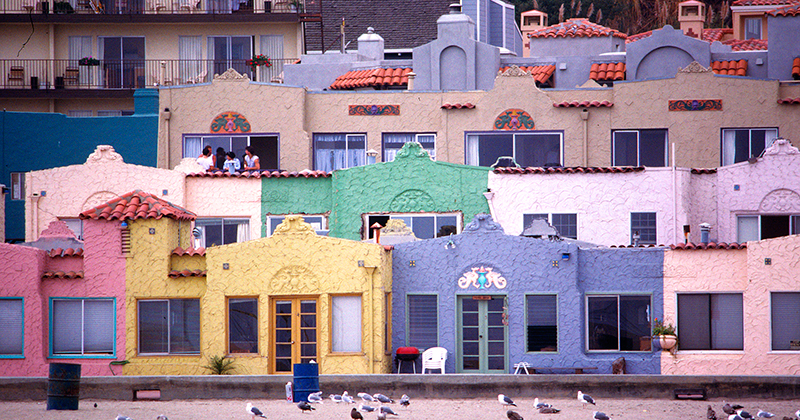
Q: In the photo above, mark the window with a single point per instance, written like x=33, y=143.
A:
x=17, y=185
x=752, y=28
x=757, y=227
x=424, y=225
x=741, y=144
x=11, y=327
x=565, y=223
x=169, y=326
x=639, y=148
x=190, y=60
x=226, y=52
x=215, y=232
x=537, y=149
x=643, y=228
x=115, y=113
x=339, y=151
x=272, y=47
x=318, y=222
x=785, y=320
x=122, y=61
x=75, y=225
x=542, y=317
x=266, y=147
x=393, y=142
x=84, y=327
x=710, y=321
x=346, y=324
x=243, y=325
x=422, y=325
x=619, y=323
x=80, y=113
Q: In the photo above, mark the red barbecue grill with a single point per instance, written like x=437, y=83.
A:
x=407, y=354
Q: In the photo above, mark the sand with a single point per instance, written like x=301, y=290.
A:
x=420, y=409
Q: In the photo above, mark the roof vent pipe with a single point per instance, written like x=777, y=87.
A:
x=705, y=229
x=455, y=8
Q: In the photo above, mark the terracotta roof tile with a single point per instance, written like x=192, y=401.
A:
x=188, y=251
x=761, y=2
x=137, y=205
x=711, y=245
x=709, y=35
x=704, y=171
x=540, y=73
x=466, y=105
x=262, y=174
x=607, y=71
x=68, y=275
x=730, y=68
x=174, y=274
x=789, y=101
x=69, y=252
x=576, y=28
x=374, y=78
x=636, y=246
x=570, y=170
x=583, y=104
x=790, y=10
x=747, y=44
x=796, y=68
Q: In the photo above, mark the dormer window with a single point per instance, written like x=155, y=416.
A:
x=752, y=28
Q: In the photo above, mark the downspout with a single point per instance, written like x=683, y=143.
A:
x=585, y=118
x=166, y=114
x=35, y=209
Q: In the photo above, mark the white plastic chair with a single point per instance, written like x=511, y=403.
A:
x=434, y=358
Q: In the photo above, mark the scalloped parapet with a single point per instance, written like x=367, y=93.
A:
x=483, y=223
x=57, y=229
x=104, y=154
x=294, y=224
x=231, y=74
x=412, y=149
x=781, y=147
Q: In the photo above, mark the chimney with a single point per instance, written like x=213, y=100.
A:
x=691, y=16
x=370, y=46
x=455, y=24
x=705, y=229
x=376, y=227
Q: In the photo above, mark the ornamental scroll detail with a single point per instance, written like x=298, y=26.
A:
x=696, y=105
x=230, y=122
x=514, y=119
x=482, y=278
x=371, y=110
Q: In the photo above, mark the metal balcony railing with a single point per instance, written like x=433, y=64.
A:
x=126, y=74
x=159, y=6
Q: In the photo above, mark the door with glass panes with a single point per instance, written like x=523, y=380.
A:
x=482, y=334
x=294, y=332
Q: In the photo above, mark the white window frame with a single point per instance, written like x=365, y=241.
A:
x=639, y=145
x=320, y=227
x=202, y=222
x=12, y=326
x=346, y=327
x=618, y=322
x=169, y=351
x=794, y=225
x=632, y=229
x=390, y=152
x=549, y=218
x=367, y=229
x=83, y=353
x=527, y=320
x=753, y=25
x=725, y=153
x=408, y=318
x=472, y=152
x=362, y=157
x=17, y=185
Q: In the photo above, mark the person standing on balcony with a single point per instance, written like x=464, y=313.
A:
x=251, y=162
x=231, y=164
x=206, y=159
x=219, y=159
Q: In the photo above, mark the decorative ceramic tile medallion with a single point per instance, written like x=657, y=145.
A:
x=696, y=105
x=230, y=122
x=374, y=110
x=514, y=119
x=482, y=278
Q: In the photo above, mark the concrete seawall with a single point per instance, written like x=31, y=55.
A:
x=429, y=386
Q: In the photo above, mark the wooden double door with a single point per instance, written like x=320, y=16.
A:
x=294, y=333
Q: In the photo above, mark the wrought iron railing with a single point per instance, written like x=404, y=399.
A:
x=126, y=74
x=158, y=6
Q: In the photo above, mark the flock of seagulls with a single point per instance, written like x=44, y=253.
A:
x=316, y=398
x=545, y=408
x=737, y=412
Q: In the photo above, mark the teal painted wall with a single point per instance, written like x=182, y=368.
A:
x=294, y=195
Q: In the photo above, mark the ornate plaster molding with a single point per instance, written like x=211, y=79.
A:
x=294, y=224
x=781, y=147
x=104, y=154
x=695, y=67
x=231, y=74
x=781, y=200
x=483, y=222
x=514, y=71
x=57, y=229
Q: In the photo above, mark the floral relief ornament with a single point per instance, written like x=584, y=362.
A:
x=482, y=278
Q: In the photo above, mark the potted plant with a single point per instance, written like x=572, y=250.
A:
x=88, y=61
x=664, y=334
x=259, y=60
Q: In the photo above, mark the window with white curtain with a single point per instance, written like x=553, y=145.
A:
x=710, y=321
x=222, y=231
x=11, y=327
x=740, y=144
x=785, y=307
x=334, y=151
x=346, y=324
x=752, y=28
x=318, y=222
x=82, y=327
x=80, y=47
x=272, y=47
x=169, y=326
x=393, y=142
x=190, y=64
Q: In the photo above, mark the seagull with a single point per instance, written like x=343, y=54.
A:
x=764, y=414
x=744, y=414
x=538, y=404
x=513, y=415
x=734, y=417
x=387, y=410
x=355, y=415
x=600, y=415
x=711, y=414
x=505, y=400
x=586, y=399
x=405, y=401
x=366, y=408
x=304, y=406
x=121, y=417
x=251, y=411
x=366, y=397
x=383, y=398
x=549, y=410
x=346, y=398
x=315, y=398
x=336, y=398
x=162, y=417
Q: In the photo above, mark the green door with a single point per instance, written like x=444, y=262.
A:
x=482, y=336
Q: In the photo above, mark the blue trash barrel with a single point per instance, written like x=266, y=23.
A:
x=306, y=381
x=63, y=386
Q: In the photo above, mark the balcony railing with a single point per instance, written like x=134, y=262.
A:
x=138, y=7
x=126, y=74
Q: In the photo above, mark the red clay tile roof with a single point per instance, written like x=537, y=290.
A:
x=607, y=71
x=375, y=78
x=466, y=105
x=704, y=171
x=730, y=68
x=261, y=174
x=570, y=170
x=790, y=10
x=711, y=245
x=188, y=251
x=62, y=275
x=137, y=205
x=635, y=246
x=636, y=37
x=577, y=27
x=789, y=101
x=796, y=68
x=747, y=44
x=583, y=104
x=540, y=73
x=187, y=273
x=69, y=252
x=761, y=2
x=709, y=35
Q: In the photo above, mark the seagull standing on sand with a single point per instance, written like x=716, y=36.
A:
x=505, y=400
x=586, y=399
x=366, y=408
x=538, y=404
x=383, y=398
x=600, y=415
x=387, y=410
x=315, y=398
x=549, y=410
x=348, y=399
x=513, y=415
x=304, y=406
x=355, y=415
x=405, y=401
x=366, y=397
x=764, y=414
x=252, y=411
x=121, y=417
x=335, y=398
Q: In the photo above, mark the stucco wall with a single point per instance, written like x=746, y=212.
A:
x=280, y=196
x=226, y=197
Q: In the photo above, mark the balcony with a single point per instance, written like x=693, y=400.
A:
x=118, y=78
x=105, y=11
